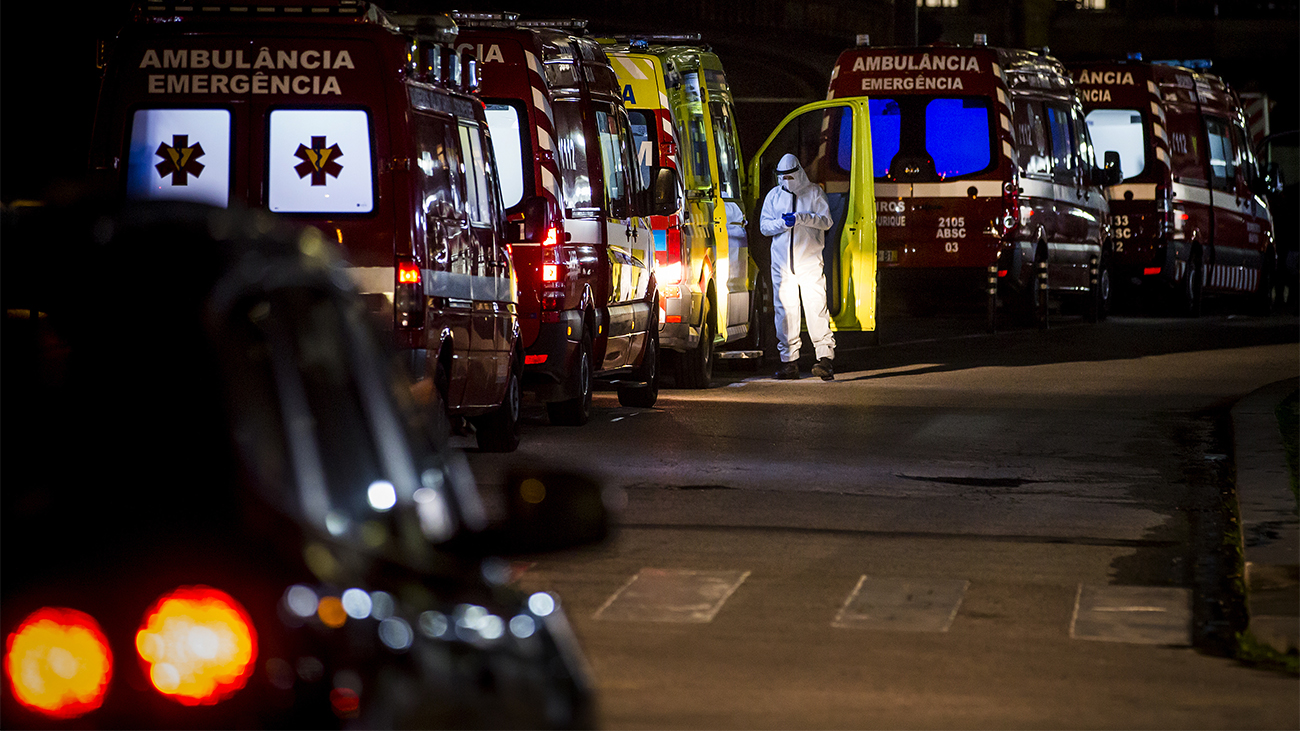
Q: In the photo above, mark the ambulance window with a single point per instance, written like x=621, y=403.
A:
x=433, y=166
x=958, y=135
x=1122, y=131
x=180, y=154
x=1063, y=142
x=886, y=119
x=475, y=171
x=724, y=141
x=510, y=148
x=615, y=173
x=697, y=145
x=319, y=161
x=571, y=154
x=643, y=139
x=1034, y=156
x=1223, y=161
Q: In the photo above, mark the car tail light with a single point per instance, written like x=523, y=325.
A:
x=59, y=663
x=199, y=645
x=408, y=295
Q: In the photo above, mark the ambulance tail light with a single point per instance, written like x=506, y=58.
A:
x=1010, y=208
x=59, y=663
x=198, y=645
x=408, y=295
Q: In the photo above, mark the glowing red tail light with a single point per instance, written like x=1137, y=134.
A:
x=59, y=663
x=408, y=272
x=198, y=644
x=552, y=236
x=550, y=272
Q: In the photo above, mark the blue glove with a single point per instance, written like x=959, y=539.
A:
x=788, y=218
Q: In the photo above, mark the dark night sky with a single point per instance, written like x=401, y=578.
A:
x=48, y=79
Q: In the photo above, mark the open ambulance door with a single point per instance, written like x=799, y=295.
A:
x=832, y=141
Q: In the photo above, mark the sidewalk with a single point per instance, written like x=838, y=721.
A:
x=1269, y=527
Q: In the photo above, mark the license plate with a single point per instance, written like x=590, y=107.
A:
x=887, y=255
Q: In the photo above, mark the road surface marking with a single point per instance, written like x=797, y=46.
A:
x=902, y=605
x=1147, y=615
x=671, y=595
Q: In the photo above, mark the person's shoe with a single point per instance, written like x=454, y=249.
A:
x=824, y=369
x=788, y=371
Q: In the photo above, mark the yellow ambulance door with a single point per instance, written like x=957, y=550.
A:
x=696, y=154
x=832, y=141
x=727, y=168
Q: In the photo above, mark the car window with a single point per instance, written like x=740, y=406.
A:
x=613, y=142
x=319, y=161
x=1223, y=158
x=724, y=142
x=179, y=154
x=1064, y=145
x=1035, y=157
x=644, y=140
x=1121, y=131
x=696, y=143
x=510, y=148
x=571, y=154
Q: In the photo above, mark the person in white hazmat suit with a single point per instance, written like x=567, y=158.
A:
x=796, y=215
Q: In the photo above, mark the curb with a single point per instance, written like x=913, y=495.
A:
x=1270, y=529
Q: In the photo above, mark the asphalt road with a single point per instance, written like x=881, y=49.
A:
x=961, y=531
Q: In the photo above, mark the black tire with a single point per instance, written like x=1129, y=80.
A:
x=577, y=410
x=1098, y=305
x=1265, y=299
x=498, y=431
x=1039, y=301
x=695, y=367
x=1189, y=296
x=645, y=396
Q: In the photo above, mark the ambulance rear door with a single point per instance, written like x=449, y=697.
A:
x=831, y=140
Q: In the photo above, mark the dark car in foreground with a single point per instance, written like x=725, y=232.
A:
x=221, y=510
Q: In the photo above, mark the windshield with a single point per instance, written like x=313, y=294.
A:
x=510, y=147
x=1122, y=131
x=930, y=138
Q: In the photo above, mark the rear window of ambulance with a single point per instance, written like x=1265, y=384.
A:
x=957, y=133
x=507, y=124
x=180, y=154
x=1122, y=131
x=319, y=161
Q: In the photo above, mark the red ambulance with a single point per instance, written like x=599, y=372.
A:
x=577, y=211
x=333, y=115
x=987, y=190
x=1190, y=217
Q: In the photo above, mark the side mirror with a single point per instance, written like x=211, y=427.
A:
x=665, y=200
x=1113, y=173
x=1273, y=178
x=545, y=511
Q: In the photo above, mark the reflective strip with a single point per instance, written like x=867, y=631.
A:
x=532, y=63
x=1159, y=131
x=631, y=66
x=1006, y=149
x=544, y=139
x=373, y=280
x=1145, y=192
x=1037, y=188
x=1155, y=109
x=997, y=69
x=1006, y=122
x=548, y=181
x=893, y=190
x=1225, y=201
x=1161, y=156
x=1184, y=193
x=454, y=285
x=585, y=231
x=668, y=126
x=1151, y=88
x=1002, y=98
x=663, y=100
x=958, y=189
x=543, y=105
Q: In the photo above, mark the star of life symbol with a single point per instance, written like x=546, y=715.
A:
x=179, y=160
x=318, y=160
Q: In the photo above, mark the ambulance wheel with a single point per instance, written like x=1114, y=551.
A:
x=695, y=367
x=1097, y=307
x=576, y=411
x=498, y=431
x=644, y=396
x=1039, y=300
x=1191, y=289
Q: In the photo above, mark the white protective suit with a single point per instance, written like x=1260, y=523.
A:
x=797, y=259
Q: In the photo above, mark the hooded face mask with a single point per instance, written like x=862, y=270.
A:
x=790, y=174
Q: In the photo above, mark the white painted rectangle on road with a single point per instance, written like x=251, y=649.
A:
x=902, y=605
x=671, y=595
x=1147, y=615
